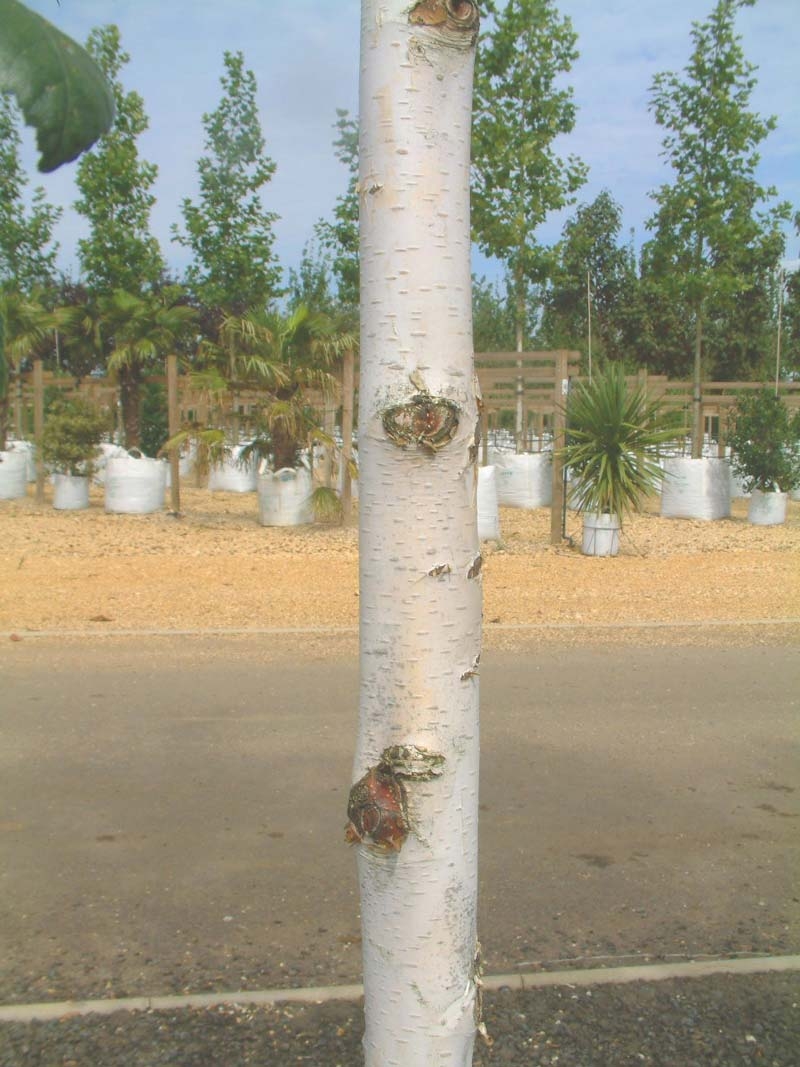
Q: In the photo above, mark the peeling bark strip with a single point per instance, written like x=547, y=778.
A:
x=413, y=811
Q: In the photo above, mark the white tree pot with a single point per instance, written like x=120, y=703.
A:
x=284, y=497
x=600, y=534
x=13, y=475
x=767, y=509
x=525, y=480
x=696, y=488
x=488, y=511
x=135, y=485
x=70, y=492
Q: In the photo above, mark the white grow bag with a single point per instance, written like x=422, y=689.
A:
x=135, y=484
x=284, y=497
x=70, y=492
x=526, y=480
x=231, y=476
x=767, y=509
x=696, y=488
x=107, y=452
x=488, y=510
x=13, y=475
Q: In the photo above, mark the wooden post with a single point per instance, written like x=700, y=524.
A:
x=174, y=425
x=348, y=392
x=38, y=426
x=560, y=390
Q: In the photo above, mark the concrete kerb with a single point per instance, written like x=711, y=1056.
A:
x=657, y=972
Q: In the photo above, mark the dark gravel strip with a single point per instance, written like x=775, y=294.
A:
x=724, y=1021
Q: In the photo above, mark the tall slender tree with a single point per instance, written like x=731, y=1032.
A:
x=593, y=284
x=413, y=809
x=27, y=248
x=228, y=229
x=116, y=187
x=715, y=224
x=521, y=108
x=340, y=236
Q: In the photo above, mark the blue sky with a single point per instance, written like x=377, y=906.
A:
x=305, y=57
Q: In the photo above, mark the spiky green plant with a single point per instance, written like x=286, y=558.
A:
x=613, y=436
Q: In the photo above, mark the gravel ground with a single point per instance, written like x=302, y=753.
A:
x=216, y=567
x=724, y=1021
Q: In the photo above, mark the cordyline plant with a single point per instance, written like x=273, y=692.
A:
x=765, y=443
x=613, y=437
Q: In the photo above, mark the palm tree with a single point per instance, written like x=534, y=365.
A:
x=289, y=360
x=141, y=331
x=28, y=323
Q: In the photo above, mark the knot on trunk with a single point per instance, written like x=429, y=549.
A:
x=430, y=422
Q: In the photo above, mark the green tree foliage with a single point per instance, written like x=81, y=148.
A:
x=492, y=316
x=72, y=435
x=27, y=249
x=790, y=325
x=717, y=236
x=340, y=236
x=61, y=91
x=591, y=260
x=765, y=442
x=227, y=230
x=520, y=108
x=310, y=284
x=28, y=324
x=115, y=187
x=144, y=329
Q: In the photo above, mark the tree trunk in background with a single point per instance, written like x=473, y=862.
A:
x=348, y=390
x=697, y=387
x=38, y=426
x=414, y=807
x=130, y=379
x=519, y=329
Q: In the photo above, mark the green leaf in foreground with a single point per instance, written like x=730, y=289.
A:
x=61, y=91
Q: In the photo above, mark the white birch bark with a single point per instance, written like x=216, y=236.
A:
x=420, y=583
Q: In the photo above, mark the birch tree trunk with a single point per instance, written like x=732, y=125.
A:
x=414, y=807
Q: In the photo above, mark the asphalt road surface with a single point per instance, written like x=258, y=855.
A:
x=172, y=812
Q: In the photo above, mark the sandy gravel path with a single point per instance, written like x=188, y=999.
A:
x=217, y=568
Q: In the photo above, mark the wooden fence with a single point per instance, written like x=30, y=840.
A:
x=534, y=380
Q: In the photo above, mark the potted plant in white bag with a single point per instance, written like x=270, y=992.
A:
x=70, y=446
x=765, y=453
x=613, y=437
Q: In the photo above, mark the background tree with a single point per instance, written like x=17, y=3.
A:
x=714, y=231
x=520, y=109
x=310, y=284
x=592, y=263
x=142, y=330
x=116, y=188
x=120, y=254
x=340, y=236
x=27, y=249
x=28, y=326
x=228, y=230
x=493, y=319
